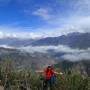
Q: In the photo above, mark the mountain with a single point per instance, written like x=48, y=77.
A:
x=15, y=42
x=21, y=59
x=73, y=46
x=67, y=51
x=73, y=40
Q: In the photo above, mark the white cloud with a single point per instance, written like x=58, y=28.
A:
x=79, y=21
x=76, y=56
x=43, y=13
x=18, y=32
x=6, y=46
x=77, y=24
x=71, y=24
x=59, y=48
x=82, y=6
x=20, y=35
x=70, y=54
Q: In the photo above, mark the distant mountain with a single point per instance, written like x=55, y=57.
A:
x=15, y=42
x=74, y=40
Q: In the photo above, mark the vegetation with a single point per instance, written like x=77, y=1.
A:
x=12, y=79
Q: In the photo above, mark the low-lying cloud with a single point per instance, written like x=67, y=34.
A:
x=69, y=53
x=77, y=56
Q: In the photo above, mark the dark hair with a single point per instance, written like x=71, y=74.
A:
x=49, y=66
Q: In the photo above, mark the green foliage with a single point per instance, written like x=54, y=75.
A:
x=73, y=82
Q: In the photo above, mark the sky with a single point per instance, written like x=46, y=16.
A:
x=43, y=17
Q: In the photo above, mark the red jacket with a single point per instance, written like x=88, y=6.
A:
x=49, y=74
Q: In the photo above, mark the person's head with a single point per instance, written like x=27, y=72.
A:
x=50, y=67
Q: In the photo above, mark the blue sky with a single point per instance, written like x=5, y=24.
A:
x=33, y=13
x=43, y=15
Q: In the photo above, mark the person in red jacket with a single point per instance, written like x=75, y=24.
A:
x=49, y=72
x=50, y=76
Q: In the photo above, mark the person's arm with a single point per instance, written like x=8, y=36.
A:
x=58, y=73
x=39, y=71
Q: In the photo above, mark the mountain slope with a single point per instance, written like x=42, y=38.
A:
x=83, y=66
x=22, y=59
x=74, y=40
x=15, y=42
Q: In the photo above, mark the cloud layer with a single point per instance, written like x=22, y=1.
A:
x=70, y=54
x=76, y=56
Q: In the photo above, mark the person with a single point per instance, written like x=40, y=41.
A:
x=50, y=77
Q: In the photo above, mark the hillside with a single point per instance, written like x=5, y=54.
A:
x=23, y=59
x=83, y=66
x=74, y=40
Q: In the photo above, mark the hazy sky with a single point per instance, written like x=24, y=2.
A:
x=44, y=15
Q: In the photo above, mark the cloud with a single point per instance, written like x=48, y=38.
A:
x=76, y=56
x=71, y=24
x=58, y=48
x=79, y=17
x=18, y=32
x=20, y=35
x=44, y=13
x=69, y=53
x=79, y=21
x=83, y=6
x=6, y=46
x=77, y=24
